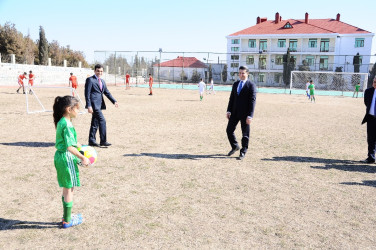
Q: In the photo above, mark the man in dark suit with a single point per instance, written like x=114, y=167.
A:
x=370, y=119
x=95, y=87
x=241, y=107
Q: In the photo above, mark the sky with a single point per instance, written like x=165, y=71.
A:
x=173, y=25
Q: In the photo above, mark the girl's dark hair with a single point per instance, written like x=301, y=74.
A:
x=61, y=104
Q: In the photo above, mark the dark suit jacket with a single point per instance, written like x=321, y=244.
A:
x=242, y=105
x=94, y=95
x=368, y=95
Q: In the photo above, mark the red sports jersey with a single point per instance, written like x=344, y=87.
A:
x=31, y=79
x=21, y=78
x=73, y=79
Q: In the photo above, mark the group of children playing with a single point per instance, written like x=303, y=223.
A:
x=22, y=77
x=21, y=83
x=202, y=87
x=310, y=91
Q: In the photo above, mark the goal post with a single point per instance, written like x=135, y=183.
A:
x=35, y=104
x=328, y=83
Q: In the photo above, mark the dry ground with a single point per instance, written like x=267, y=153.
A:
x=167, y=183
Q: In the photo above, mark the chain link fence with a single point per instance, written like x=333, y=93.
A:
x=266, y=70
x=165, y=67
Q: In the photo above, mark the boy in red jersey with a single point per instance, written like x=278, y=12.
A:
x=21, y=83
x=31, y=80
x=73, y=81
x=151, y=84
x=127, y=76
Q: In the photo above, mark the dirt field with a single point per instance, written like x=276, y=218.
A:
x=167, y=183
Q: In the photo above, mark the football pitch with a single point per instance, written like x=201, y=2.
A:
x=166, y=182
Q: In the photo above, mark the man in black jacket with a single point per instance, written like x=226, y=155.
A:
x=95, y=88
x=370, y=119
x=241, y=107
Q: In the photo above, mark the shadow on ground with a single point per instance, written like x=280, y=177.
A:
x=343, y=165
x=178, y=156
x=29, y=144
x=363, y=183
x=6, y=224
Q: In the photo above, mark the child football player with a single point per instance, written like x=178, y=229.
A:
x=67, y=156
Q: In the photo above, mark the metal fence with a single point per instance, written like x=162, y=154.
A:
x=176, y=67
x=165, y=67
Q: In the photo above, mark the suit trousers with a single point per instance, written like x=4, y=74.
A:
x=371, y=137
x=231, y=126
x=98, y=121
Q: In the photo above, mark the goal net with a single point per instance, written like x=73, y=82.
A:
x=41, y=98
x=328, y=83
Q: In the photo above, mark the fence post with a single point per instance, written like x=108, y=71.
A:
x=12, y=58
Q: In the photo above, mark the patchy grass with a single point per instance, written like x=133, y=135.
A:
x=166, y=181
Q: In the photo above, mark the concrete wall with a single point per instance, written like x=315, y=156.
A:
x=44, y=75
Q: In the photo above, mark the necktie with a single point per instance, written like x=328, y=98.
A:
x=240, y=87
x=100, y=84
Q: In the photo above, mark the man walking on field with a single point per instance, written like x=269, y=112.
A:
x=95, y=88
x=241, y=107
x=370, y=119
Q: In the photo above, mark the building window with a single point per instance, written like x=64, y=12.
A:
x=249, y=60
x=263, y=45
x=293, y=44
x=262, y=62
x=359, y=42
x=235, y=49
x=310, y=60
x=293, y=59
x=281, y=43
x=324, y=45
x=287, y=26
x=261, y=78
x=324, y=63
x=234, y=65
x=235, y=41
x=252, y=43
x=279, y=60
x=234, y=57
x=312, y=43
x=278, y=77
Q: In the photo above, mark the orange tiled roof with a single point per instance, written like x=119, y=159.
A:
x=314, y=26
x=187, y=62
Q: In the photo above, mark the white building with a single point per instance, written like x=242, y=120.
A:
x=180, y=68
x=324, y=44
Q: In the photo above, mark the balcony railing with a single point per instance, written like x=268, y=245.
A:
x=294, y=50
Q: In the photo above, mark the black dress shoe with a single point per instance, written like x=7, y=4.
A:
x=241, y=156
x=233, y=151
x=369, y=160
x=105, y=144
x=94, y=144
